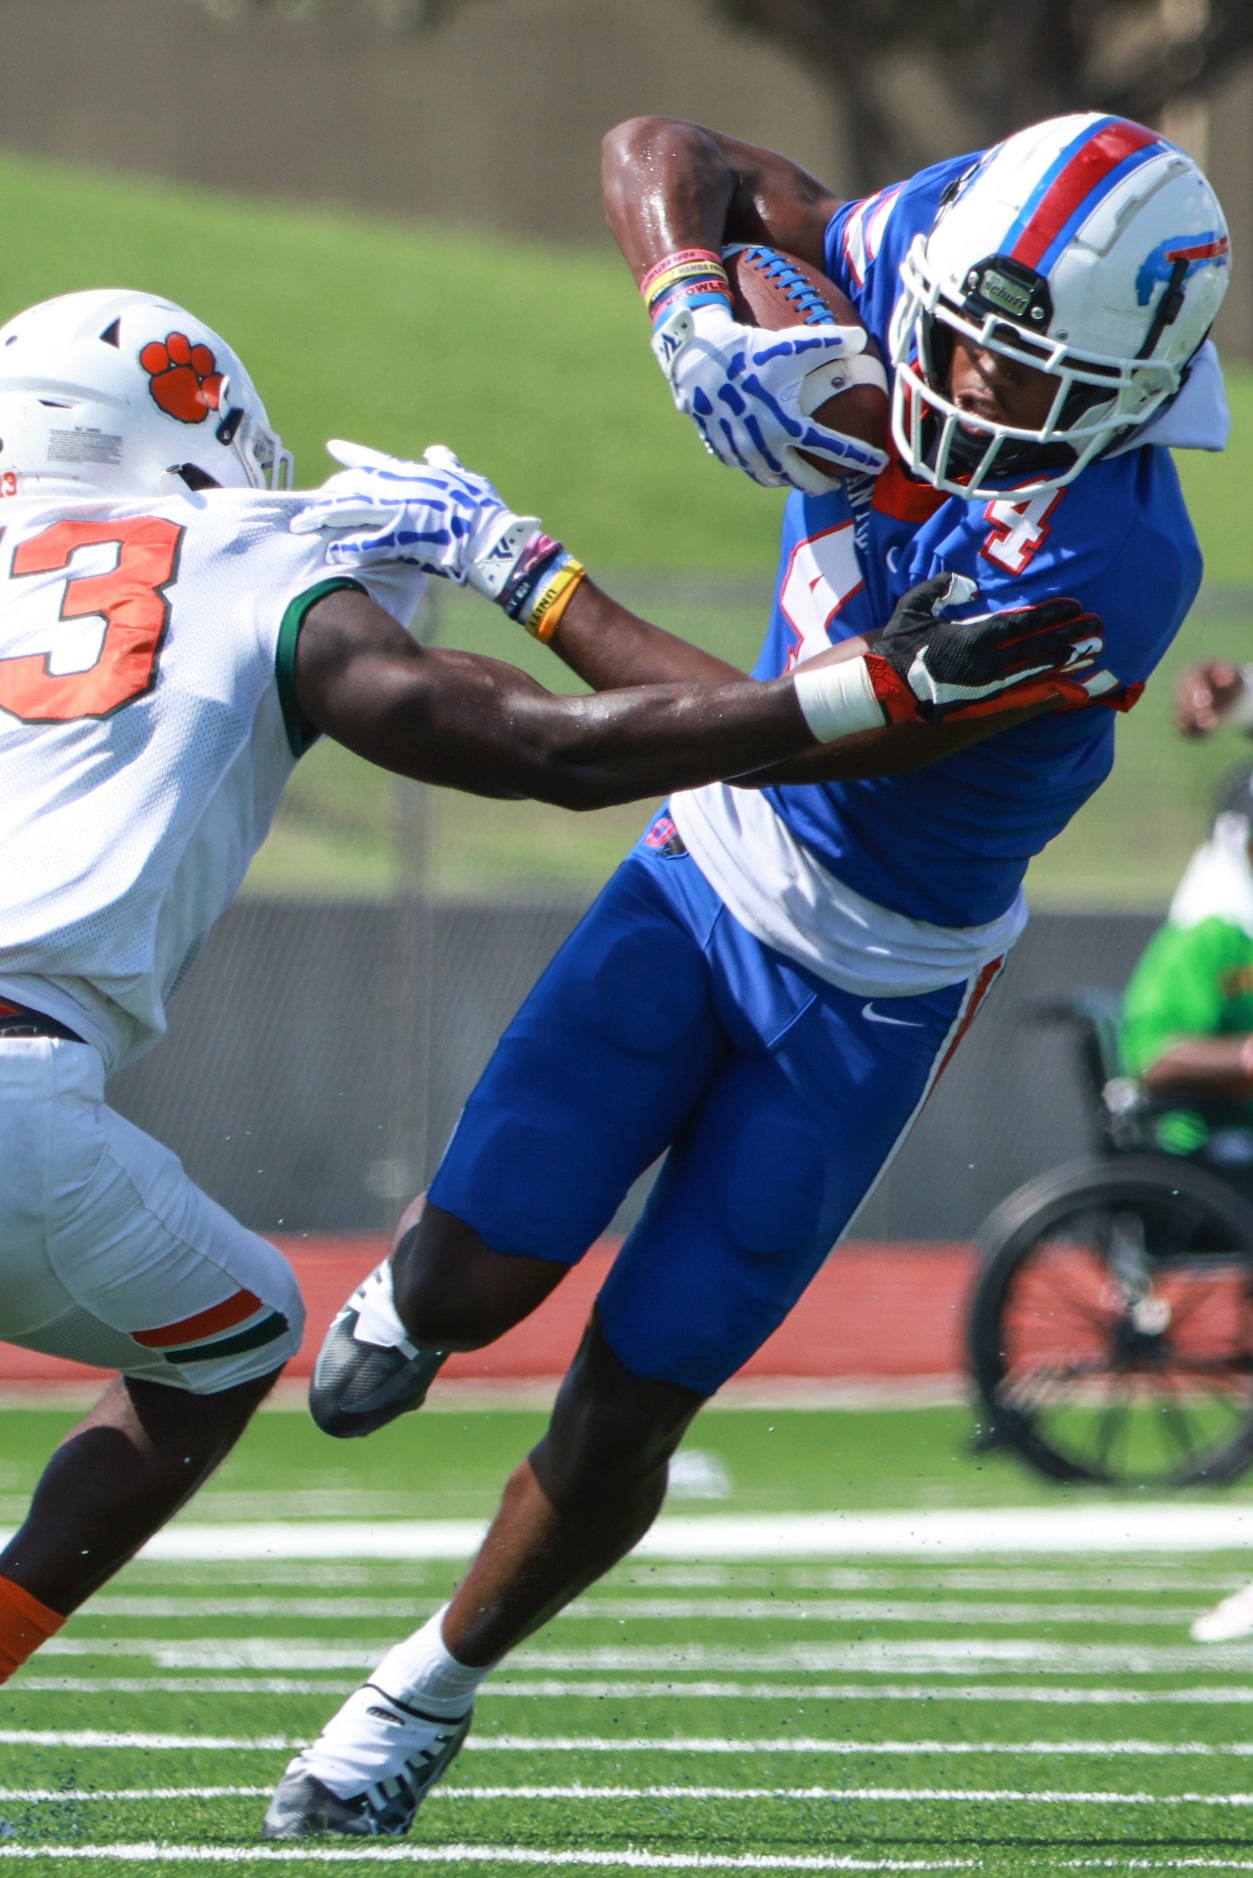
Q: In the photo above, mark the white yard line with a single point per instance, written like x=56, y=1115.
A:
x=1118, y=1577
x=1045, y=1796
x=810, y=1744
x=831, y=1610
x=1074, y=1531
x=33, y=1796
x=207, y=1653
x=1114, y=1577
x=104, y=1738
x=629, y=1859
x=334, y=1609
x=194, y=1685
x=816, y=1610
x=1203, y=1695
x=644, y=1744
x=870, y=1656
x=917, y=1656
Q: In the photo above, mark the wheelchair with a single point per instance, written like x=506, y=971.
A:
x=1110, y=1330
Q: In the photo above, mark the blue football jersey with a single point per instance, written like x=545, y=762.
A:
x=950, y=843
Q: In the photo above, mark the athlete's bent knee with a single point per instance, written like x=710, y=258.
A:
x=453, y=1292
x=612, y=1432
x=198, y=1430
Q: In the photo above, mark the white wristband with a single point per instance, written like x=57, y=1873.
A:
x=1240, y=716
x=838, y=700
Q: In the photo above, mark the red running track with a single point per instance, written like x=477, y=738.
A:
x=876, y=1311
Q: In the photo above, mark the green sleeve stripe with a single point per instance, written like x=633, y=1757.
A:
x=301, y=734
x=251, y=1339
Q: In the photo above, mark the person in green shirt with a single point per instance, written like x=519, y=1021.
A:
x=1187, y=1018
x=1187, y=1035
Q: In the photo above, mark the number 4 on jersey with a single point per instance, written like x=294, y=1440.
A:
x=1019, y=529
x=130, y=599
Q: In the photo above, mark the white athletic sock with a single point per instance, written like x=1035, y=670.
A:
x=369, y=1739
x=423, y=1672
x=378, y=1320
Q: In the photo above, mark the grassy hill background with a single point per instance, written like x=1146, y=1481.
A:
x=532, y=363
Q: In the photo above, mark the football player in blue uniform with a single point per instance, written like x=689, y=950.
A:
x=768, y=988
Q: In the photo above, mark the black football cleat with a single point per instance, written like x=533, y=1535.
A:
x=303, y=1807
x=367, y=1370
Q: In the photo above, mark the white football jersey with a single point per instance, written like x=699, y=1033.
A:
x=145, y=736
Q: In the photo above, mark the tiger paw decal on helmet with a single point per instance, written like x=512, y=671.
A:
x=183, y=377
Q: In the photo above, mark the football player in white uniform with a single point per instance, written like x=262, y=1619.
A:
x=174, y=631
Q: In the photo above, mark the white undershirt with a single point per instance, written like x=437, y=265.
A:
x=777, y=888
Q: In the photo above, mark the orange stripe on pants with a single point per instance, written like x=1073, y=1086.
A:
x=232, y=1310
x=983, y=984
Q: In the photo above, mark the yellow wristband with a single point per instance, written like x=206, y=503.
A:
x=546, y=614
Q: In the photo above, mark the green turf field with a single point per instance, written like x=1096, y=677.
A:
x=532, y=361
x=916, y=1708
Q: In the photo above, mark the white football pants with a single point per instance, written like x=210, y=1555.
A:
x=109, y=1254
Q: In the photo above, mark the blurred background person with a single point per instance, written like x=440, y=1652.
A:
x=1214, y=692
x=1187, y=1021
x=1187, y=1027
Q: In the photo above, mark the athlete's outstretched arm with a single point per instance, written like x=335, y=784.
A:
x=480, y=725
x=668, y=184
x=609, y=650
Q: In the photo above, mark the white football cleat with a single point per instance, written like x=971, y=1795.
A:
x=368, y=1371
x=1232, y=1618
x=393, y=1750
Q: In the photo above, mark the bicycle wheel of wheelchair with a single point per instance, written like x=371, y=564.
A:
x=1111, y=1325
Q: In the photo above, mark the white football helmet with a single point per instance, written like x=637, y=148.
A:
x=1088, y=247
x=124, y=392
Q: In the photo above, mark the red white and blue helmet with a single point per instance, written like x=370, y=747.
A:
x=129, y=393
x=1088, y=247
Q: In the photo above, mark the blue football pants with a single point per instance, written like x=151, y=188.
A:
x=662, y=1027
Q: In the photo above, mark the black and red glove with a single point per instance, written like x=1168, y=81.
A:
x=925, y=668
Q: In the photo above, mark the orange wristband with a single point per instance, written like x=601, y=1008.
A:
x=546, y=616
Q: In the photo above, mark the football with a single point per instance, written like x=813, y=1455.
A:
x=771, y=289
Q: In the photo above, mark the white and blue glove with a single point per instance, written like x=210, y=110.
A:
x=443, y=518
x=435, y=515
x=751, y=392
